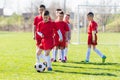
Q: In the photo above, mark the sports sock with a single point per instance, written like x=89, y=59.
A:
x=62, y=54
x=48, y=61
x=54, y=54
x=65, y=51
x=88, y=54
x=98, y=52
x=39, y=57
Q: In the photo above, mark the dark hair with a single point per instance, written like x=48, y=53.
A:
x=42, y=6
x=68, y=14
x=61, y=12
x=46, y=13
x=90, y=14
x=58, y=9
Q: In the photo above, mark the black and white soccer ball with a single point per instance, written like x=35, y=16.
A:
x=40, y=67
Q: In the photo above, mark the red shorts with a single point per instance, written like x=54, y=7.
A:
x=60, y=44
x=46, y=44
x=90, y=41
x=38, y=41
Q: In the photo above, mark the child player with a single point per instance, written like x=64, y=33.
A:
x=37, y=20
x=92, y=37
x=66, y=19
x=46, y=30
x=64, y=29
x=55, y=52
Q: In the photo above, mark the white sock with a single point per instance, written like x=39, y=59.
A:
x=59, y=52
x=62, y=55
x=98, y=52
x=88, y=54
x=39, y=57
x=54, y=54
x=48, y=61
x=65, y=51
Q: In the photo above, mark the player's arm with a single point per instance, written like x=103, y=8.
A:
x=93, y=31
x=69, y=31
x=66, y=35
x=34, y=31
x=40, y=34
x=60, y=35
x=34, y=28
x=93, y=35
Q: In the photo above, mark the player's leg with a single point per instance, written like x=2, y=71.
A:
x=62, y=47
x=66, y=51
x=54, y=54
x=38, y=54
x=47, y=58
x=59, y=56
x=88, y=53
x=62, y=54
x=89, y=48
x=99, y=53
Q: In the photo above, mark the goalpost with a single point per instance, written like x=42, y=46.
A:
x=102, y=13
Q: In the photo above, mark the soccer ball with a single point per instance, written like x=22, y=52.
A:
x=40, y=67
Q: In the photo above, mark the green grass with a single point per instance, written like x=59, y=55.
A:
x=17, y=58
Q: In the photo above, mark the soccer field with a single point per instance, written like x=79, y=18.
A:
x=17, y=59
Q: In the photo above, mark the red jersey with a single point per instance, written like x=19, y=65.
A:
x=63, y=28
x=92, y=27
x=47, y=29
x=37, y=20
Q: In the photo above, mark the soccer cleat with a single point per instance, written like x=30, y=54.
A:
x=59, y=60
x=54, y=60
x=85, y=61
x=65, y=58
x=103, y=59
x=63, y=61
x=49, y=69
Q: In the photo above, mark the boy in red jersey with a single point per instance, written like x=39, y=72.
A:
x=55, y=52
x=57, y=12
x=66, y=19
x=92, y=37
x=36, y=37
x=46, y=30
x=64, y=29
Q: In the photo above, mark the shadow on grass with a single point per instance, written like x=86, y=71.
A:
x=87, y=67
x=87, y=73
x=95, y=63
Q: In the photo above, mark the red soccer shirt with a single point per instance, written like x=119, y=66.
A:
x=47, y=29
x=63, y=28
x=92, y=27
x=37, y=20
